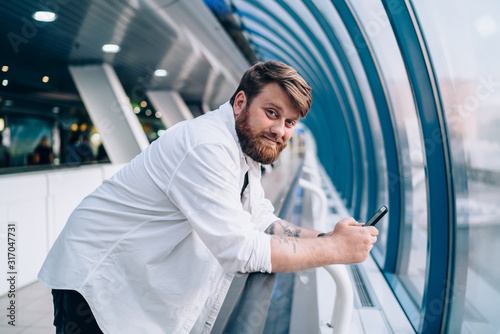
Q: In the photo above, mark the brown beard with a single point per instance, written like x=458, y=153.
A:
x=254, y=145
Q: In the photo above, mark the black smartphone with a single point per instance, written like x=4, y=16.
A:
x=377, y=216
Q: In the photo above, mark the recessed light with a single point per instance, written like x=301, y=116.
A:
x=5, y=68
x=110, y=48
x=161, y=73
x=45, y=79
x=44, y=16
x=5, y=82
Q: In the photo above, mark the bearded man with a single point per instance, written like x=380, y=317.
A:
x=155, y=248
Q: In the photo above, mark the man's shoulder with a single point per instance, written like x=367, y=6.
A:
x=208, y=129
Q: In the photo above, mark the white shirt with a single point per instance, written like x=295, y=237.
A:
x=155, y=247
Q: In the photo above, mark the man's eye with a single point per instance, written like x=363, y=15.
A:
x=271, y=112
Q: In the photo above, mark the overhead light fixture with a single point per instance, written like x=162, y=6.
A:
x=45, y=79
x=44, y=16
x=161, y=72
x=144, y=104
x=486, y=25
x=5, y=68
x=111, y=48
x=2, y=124
x=5, y=82
x=96, y=138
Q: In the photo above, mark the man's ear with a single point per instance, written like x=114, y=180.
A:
x=240, y=102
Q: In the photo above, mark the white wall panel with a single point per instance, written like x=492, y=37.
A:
x=39, y=203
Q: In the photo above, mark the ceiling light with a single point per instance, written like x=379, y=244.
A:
x=95, y=138
x=486, y=25
x=158, y=114
x=144, y=104
x=2, y=124
x=110, y=48
x=161, y=73
x=148, y=112
x=5, y=68
x=5, y=82
x=45, y=79
x=44, y=16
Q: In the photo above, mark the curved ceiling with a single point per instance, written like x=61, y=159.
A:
x=182, y=37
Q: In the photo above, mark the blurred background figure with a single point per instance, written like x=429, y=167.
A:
x=102, y=155
x=5, y=158
x=43, y=154
x=84, y=150
x=72, y=156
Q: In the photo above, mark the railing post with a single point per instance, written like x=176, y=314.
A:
x=344, y=296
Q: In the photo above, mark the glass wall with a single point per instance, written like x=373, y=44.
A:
x=332, y=16
x=412, y=260
x=463, y=38
x=39, y=134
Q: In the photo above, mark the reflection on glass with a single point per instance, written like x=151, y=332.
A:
x=38, y=135
x=412, y=263
x=464, y=41
x=334, y=19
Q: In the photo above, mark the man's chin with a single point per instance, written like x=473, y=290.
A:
x=266, y=156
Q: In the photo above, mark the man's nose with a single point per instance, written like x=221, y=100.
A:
x=278, y=129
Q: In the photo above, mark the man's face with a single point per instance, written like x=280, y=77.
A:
x=265, y=126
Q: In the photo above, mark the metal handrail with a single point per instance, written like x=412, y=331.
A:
x=344, y=296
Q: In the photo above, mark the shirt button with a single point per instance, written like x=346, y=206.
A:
x=263, y=271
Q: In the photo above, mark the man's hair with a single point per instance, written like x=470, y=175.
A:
x=263, y=73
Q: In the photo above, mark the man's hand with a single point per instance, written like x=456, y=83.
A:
x=348, y=243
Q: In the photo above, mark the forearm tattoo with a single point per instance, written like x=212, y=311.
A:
x=279, y=227
x=287, y=241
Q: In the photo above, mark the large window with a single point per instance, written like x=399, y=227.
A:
x=42, y=134
x=463, y=38
x=411, y=267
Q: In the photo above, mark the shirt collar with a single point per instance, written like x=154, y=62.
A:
x=228, y=116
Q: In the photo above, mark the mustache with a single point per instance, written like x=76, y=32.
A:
x=273, y=137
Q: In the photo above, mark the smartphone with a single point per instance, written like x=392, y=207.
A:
x=377, y=216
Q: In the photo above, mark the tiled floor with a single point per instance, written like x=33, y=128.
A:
x=34, y=311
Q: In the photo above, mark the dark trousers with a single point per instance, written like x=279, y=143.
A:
x=72, y=314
